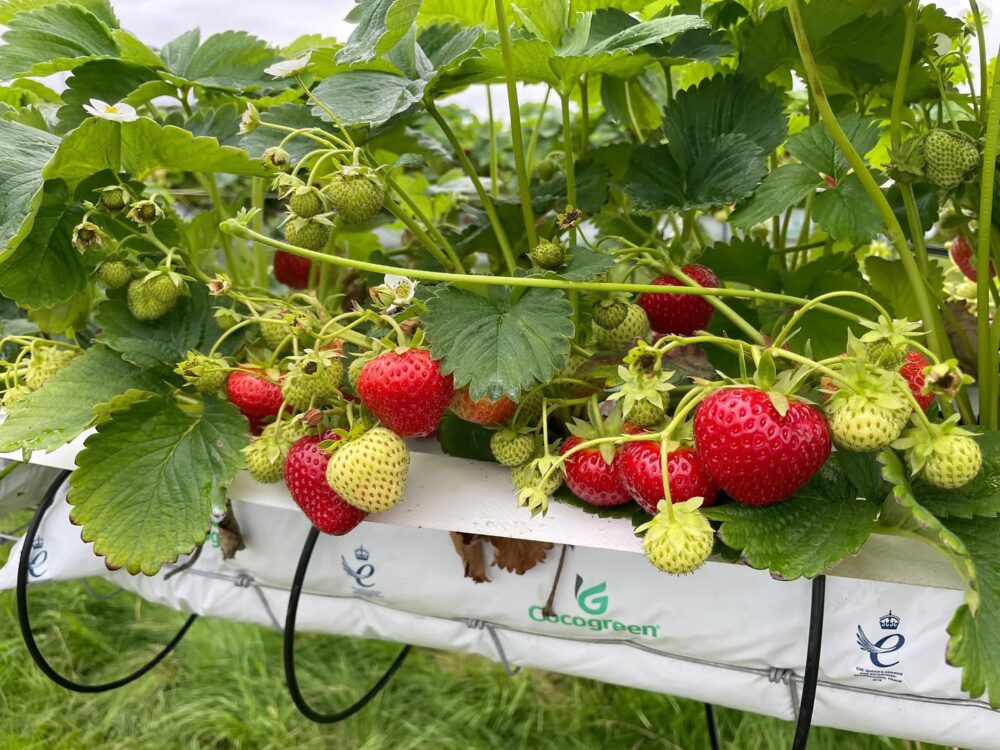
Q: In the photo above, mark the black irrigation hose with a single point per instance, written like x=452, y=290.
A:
x=24, y=620
x=813, y=649
x=289, y=650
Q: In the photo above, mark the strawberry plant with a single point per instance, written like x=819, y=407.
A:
x=763, y=311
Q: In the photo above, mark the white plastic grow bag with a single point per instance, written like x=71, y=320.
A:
x=727, y=634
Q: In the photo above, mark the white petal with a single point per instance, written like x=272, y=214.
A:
x=941, y=43
x=392, y=280
x=98, y=104
x=288, y=67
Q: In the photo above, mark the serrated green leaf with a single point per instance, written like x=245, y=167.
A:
x=380, y=24
x=783, y=188
x=367, y=97
x=46, y=270
x=981, y=497
x=802, y=536
x=140, y=147
x=221, y=123
x=68, y=404
x=815, y=148
x=495, y=345
x=146, y=483
x=864, y=472
x=889, y=279
x=100, y=8
x=23, y=153
x=584, y=264
x=636, y=103
x=230, y=60
x=53, y=38
x=847, y=213
x=744, y=261
x=723, y=171
x=975, y=631
x=165, y=341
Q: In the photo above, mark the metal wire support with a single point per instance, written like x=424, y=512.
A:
x=713, y=727
x=813, y=649
x=289, y=650
x=24, y=619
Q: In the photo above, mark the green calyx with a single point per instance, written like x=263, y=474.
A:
x=678, y=541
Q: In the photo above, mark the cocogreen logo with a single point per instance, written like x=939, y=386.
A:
x=590, y=600
x=593, y=600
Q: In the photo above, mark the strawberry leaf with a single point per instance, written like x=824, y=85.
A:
x=73, y=400
x=495, y=344
x=52, y=38
x=821, y=524
x=783, y=188
x=147, y=482
x=23, y=152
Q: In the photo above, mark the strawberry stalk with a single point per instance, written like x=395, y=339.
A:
x=237, y=229
x=936, y=338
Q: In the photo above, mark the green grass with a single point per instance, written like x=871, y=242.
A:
x=224, y=688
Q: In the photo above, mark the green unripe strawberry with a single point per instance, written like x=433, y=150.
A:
x=265, y=458
x=275, y=157
x=548, y=255
x=321, y=374
x=206, y=374
x=114, y=274
x=370, y=472
x=355, y=368
x=863, y=426
x=226, y=318
x=635, y=326
x=949, y=158
x=547, y=168
x=610, y=314
x=884, y=354
x=357, y=193
x=645, y=414
x=295, y=390
x=511, y=449
x=954, y=462
x=152, y=297
x=274, y=330
x=311, y=234
x=45, y=364
x=306, y=202
x=678, y=542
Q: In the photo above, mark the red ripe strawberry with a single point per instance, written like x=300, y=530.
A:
x=305, y=475
x=253, y=394
x=963, y=257
x=291, y=269
x=406, y=391
x=638, y=466
x=680, y=314
x=483, y=411
x=753, y=453
x=591, y=478
x=912, y=371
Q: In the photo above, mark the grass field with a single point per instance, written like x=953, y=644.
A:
x=224, y=688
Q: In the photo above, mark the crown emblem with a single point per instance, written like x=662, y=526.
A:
x=889, y=621
x=361, y=553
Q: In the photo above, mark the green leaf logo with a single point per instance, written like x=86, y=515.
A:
x=591, y=600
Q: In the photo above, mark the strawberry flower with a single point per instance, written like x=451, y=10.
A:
x=287, y=68
x=402, y=288
x=249, y=120
x=120, y=112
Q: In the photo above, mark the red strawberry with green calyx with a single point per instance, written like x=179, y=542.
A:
x=292, y=270
x=482, y=411
x=591, y=472
x=305, y=475
x=912, y=371
x=405, y=390
x=755, y=452
x=962, y=255
x=680, y=314
x=638, y=466
x=257, y=397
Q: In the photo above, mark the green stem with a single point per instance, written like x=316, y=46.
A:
x=238, y=230
x=523, y=186
x=988, y=358
x=536, y=130
x=432, y=228
x=259, y=193
x=916, y=228
x=396, y=210
x=977, y=20
x=899, y=92
x=568, y=158
x=470, y=170
x=585, y=113
x=749, y=331
x=938, y=343
x=494, y=153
